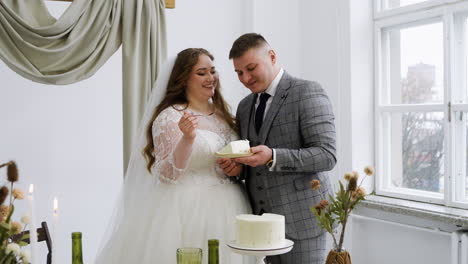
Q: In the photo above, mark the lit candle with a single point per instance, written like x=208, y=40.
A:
x=32, y=229
x=55, y=207
x=55, y=242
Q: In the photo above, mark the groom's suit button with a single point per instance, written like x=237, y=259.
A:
x=259, y=188
x=261, y=202
x=259, y=174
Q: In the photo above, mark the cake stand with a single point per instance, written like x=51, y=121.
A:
x=261, y=253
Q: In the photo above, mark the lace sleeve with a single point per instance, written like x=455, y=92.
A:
x=166, y=136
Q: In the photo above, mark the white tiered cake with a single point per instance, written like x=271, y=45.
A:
x=265, y=231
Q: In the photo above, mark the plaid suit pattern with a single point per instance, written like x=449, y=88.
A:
x=300, y=127
x=309, y=251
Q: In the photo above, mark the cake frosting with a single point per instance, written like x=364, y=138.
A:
x=237, y=146
x=265, y=231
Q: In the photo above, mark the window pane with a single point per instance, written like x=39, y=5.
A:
x=398, y=3
x=464, y=62
x=417, y=151
x=464, y=180
x=416, y=64
x=460, y=157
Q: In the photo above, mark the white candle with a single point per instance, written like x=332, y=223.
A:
x=55, y=207
x=54, y=241
x=32, y=229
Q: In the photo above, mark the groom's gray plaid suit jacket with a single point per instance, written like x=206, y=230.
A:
x=299, y=125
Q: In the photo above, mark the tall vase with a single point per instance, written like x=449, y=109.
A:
x=335, y=257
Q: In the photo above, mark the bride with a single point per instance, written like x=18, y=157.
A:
x=174, y=194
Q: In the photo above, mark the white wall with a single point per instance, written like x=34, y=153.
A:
x=67, y=141
x=306, y=37
x=213, y=25
x=321, y=60
x=279, y=22
x=361, y=86
x=377, y=241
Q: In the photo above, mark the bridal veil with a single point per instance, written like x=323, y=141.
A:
x=133, y=200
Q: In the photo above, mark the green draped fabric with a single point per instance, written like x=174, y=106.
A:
x=72, y=48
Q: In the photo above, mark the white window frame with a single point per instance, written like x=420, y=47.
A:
x=447, y=12
x=381, y=12
x=459, y=68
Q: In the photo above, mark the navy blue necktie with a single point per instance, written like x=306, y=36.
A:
x=260, y=111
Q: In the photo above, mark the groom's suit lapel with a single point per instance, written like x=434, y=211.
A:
x=278, y=100
x=246, y=115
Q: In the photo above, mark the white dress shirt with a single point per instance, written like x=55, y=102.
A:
x=271, y=90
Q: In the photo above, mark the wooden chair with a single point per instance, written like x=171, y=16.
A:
x=42, y=235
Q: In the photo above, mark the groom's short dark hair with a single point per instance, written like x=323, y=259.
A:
x=246, y=42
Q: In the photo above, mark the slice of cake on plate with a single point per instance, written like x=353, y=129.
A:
x=237, y=148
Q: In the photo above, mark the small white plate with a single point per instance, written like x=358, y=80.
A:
x=232, y=155
x=287, y=244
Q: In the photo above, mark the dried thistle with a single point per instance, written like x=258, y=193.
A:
x=348, y=175
x=314, y=184
x=369, y=170
x=4, y=210
x=17, y=194
x=4, y=191
x=12, y=172
x=352, y=185
x=16, y=227
x=359, y=193
x=321, y=206
x=26, y=219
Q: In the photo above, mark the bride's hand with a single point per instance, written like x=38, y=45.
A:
x=188, y=125
x=229, y=167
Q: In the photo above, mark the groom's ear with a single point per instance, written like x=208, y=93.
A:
x=272, y=55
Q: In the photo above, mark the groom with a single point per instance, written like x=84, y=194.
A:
x=290, y=125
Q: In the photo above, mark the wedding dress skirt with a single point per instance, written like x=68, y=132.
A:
x=184, y=211
x=185, y=216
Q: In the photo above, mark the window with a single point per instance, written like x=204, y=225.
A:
x=390, y=4
x=421, y=100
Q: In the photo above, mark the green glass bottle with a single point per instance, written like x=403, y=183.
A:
x=213, y=251
x=77, y=250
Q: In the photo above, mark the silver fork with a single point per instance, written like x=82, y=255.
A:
x=200, y=115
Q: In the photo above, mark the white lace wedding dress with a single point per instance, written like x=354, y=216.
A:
x=188, y=205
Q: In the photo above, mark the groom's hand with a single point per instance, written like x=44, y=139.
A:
x=229, y=167
x=261, y=155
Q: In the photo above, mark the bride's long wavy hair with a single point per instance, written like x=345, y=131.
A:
x=176, y=94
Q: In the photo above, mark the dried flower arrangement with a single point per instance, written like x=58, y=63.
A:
x=337, y=208
x=11, y=251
